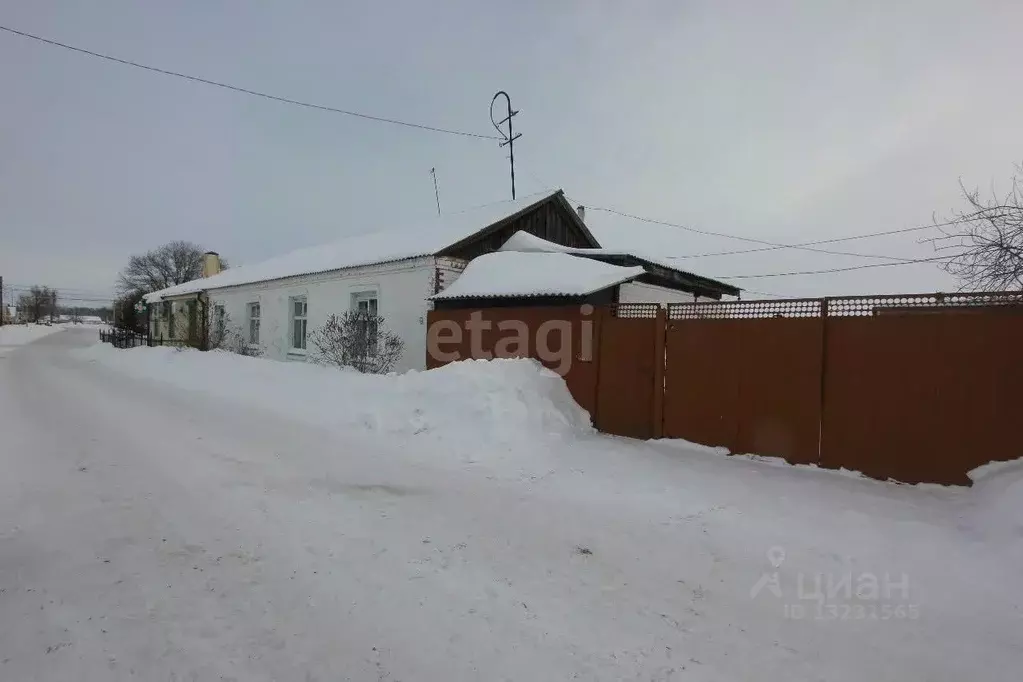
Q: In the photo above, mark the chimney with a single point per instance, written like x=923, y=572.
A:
x=581, y=210
x=210, y=263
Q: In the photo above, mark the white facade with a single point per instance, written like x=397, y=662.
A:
x=638, y=292
x=265, y=314
x=399, y=289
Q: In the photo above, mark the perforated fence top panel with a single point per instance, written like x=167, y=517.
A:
x=843, y=306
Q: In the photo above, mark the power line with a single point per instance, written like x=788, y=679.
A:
x=246, y=91
x=70, y=290
x=766, y=293
x=771, y=245
x=826, y=241
x=830, y=270
x=67, y=297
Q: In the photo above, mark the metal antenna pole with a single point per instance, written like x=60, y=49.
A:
x=436, y=193
x=509, y=139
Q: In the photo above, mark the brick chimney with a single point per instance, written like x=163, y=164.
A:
x=581, y=210
x=210, y=263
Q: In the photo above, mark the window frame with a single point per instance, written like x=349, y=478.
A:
x=255, y=322
x=219, y=320
x=370, y=296
x=293, y=319
x=169, y=312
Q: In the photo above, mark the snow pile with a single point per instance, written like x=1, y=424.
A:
x=13, y=335
x=997, y=497
x=498, y=401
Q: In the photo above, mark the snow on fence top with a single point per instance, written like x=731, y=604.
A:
x=424, y=238
x=514, y=273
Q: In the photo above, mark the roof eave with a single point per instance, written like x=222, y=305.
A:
x=279, y=279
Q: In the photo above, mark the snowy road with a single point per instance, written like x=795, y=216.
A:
x=149, y=533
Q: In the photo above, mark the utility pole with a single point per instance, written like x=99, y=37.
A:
x=436, y=193
x=510, y=138
x=3, y=305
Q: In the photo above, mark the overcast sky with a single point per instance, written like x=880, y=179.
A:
x=781, y=121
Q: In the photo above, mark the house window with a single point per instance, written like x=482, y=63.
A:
x=219, y=321
x=191, y=314
x=168, y=311
x=366, y=305
x=298, y=322
x=254, y=324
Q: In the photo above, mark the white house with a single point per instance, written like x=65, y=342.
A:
x=277, y=303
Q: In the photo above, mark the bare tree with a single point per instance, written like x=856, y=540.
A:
x=985, y=241
x=124, y=314
x=173, y=263
x=359, y=340
x=39, y=303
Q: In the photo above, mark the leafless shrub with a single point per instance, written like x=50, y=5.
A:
x=359, y=340
x=213, y=331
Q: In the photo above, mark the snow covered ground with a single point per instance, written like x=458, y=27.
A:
x=176, y=515
x=13, y=335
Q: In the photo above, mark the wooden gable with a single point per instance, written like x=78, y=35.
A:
x=551, y=218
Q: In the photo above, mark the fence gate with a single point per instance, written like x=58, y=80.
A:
x=745, y=375
x=631, y=356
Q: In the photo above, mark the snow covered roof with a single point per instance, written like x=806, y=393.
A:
x=522, y=274
x=424, y=238
x=526, y=242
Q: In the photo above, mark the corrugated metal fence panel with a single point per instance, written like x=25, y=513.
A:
x=923, y=395
x=625, y=397
x=701, y=381
x=751, y=385
x=779, y=389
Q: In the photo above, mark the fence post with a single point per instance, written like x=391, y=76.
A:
x=660, y=330
x=824, y=374
x=600, y=312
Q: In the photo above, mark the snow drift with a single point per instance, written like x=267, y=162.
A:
x=13, y=335
x=498, y=401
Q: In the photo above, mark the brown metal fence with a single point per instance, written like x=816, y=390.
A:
x=924, y=388
x=751, y=384
x=918, y=388
x=630, y=364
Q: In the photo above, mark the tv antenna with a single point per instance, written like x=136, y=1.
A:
x=510, y=137
x=436, y=192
